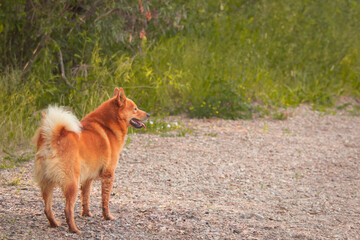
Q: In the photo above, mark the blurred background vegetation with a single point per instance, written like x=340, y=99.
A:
x=205, y=58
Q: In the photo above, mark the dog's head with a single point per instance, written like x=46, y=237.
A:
x=128, y=110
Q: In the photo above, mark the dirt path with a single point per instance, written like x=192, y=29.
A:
x=259, y=179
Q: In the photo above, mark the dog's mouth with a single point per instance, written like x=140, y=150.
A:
x=136, y=123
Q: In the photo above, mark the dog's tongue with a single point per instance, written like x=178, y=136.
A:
x=142, y=125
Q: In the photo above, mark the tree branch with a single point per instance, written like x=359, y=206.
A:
x=33, y=56
x=63, y=70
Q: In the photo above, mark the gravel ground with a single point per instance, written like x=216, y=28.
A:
x=258, y=179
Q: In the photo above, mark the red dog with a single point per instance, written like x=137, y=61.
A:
x=70, y=152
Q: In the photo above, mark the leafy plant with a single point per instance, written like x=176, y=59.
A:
x=227, y=59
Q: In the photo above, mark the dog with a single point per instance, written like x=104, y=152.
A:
x=72, y=153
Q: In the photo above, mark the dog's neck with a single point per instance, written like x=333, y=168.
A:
x=108, y=119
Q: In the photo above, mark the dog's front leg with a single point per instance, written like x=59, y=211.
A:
x=107, y=180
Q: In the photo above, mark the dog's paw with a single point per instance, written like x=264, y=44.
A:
x=54, y=224
x=109, y=217
x=74, y=230
x=86, y=214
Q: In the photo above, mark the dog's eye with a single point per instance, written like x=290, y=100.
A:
x=135, y=109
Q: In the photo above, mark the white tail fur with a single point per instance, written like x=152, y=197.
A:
x=58, y=116
x=54, y=117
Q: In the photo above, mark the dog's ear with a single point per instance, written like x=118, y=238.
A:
x=116, y=92
x=120, y=96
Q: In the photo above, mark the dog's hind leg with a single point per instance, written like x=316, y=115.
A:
x=85, y=198
x=70, y=191
x=107, y=180
x=47, y=194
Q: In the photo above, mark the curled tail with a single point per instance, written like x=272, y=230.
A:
x=54, y=120
x=55, y=125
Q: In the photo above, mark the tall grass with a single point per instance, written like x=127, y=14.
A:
x=276, y=52
x=229, y=55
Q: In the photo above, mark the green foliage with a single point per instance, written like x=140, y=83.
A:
x=184, y=74
x=355, y=111
x=210, y=134
x=16, y=181
x=34, y=32
x=165, y=128
x=206, y=58
x=9, y=159
x=286, y=53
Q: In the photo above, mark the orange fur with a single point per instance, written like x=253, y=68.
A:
x=70, y=152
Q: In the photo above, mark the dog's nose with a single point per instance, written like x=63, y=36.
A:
x=148, y=115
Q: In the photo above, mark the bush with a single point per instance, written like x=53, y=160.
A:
x=205, y=58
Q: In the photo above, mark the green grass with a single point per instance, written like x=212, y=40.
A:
x=230, y=60
x=275, y=52
x=156, y=125
x=17, y=180
x=9, y=160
